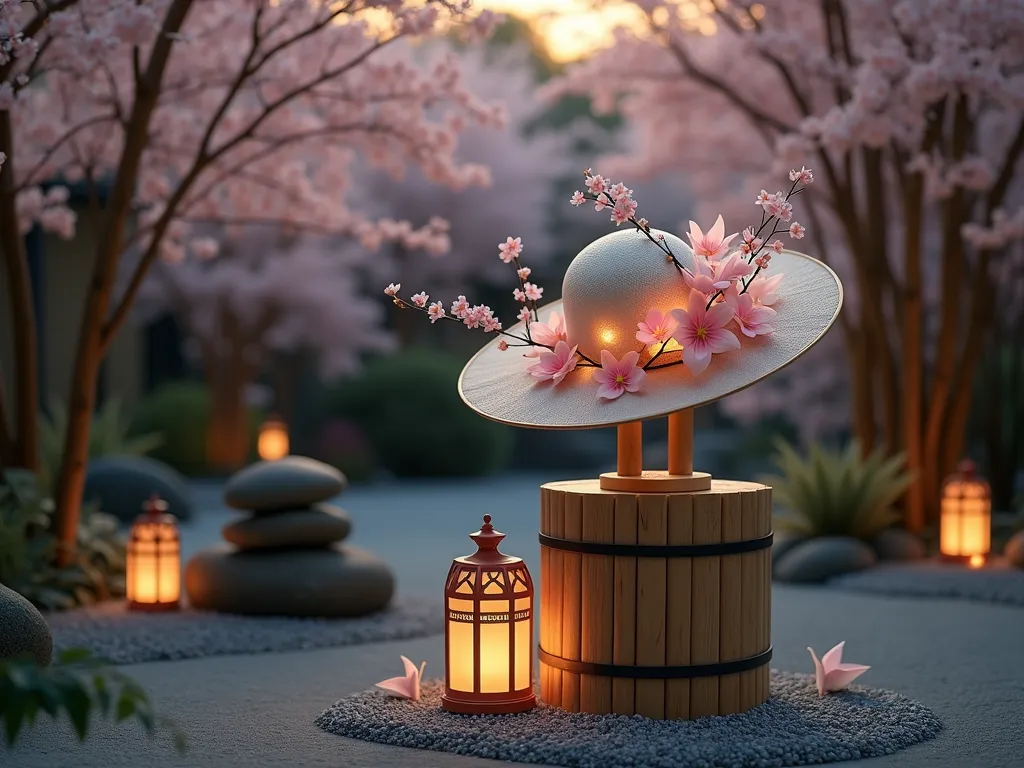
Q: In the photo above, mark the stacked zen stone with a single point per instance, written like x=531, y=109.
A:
x=287, y=557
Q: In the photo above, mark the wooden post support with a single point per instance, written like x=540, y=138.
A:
x=680, y=442
x=630, y=449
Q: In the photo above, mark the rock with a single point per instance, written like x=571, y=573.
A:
x=122, y=483
x=820, y=559
x=783, y=542
x=338, y=581
x=898, y=544
x=1014, y=550
x=291, y=482
x=318, y=526
x=25, y=632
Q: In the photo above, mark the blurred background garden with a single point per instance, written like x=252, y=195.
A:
x=243, y=291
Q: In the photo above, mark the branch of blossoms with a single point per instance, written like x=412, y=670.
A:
x=726, y=287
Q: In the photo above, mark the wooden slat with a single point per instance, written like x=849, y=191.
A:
x=652, y=528
x=625, y=627
x=704, y=629
x=730, y=610
x=546, y=614
x=750, y=575
x=765, y=521
x=571, y=574
x=555, y=593
x=680, y=575
x=598, y=584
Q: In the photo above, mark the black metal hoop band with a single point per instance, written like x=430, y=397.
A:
x=658, y=550
x=656, y=673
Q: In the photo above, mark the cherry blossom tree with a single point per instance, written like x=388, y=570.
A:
x=250, y=300
x=911, y=114
x=182, y=114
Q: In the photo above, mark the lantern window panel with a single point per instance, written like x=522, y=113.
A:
x=519, y=581
x=464, y=582
x=493, y=583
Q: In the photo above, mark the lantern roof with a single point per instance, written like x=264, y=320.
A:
x=487, y=540
x=966, y=473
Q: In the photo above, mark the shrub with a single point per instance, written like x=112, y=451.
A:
x=109, y=435
x=180, y=412
x=837, y=493
x=409, y=408
x=77, y=685
x=344, y=445
x=27, y=547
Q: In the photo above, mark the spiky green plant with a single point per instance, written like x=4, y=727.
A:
x=837, y=493
x=108, y=435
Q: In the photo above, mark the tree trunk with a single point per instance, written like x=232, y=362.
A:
x=228, y=439
x=81, y=401
x=861, y=393
x=23, y=448
x=913, y=373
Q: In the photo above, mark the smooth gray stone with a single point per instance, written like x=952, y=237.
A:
x=337, y=581
x=783, y=542
x=820, y=559
x=315, y=526
x=294, y=481
x=122, y=484
x=23, y=630
x=898, y=544
x=1014, y=550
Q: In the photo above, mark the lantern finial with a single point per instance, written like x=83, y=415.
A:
x=154, y=505
x=487, y=538
x=966, y=468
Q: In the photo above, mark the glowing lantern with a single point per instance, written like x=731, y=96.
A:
x=966, y=524
x=153, y=580
x=273, y=441
x=488, y=634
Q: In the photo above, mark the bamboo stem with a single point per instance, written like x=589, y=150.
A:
x=680, y=442
x=630, y=449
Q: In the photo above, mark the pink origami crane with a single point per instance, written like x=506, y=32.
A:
x=407, y=687
x=831, y=673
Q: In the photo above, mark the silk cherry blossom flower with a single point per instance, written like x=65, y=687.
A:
x=420, y=299
x=393, y=289
x=510, y=249
x=518, y=294
x=797, y=230
x=554, y=364
x=577, y=198
x=831, y=674
x=548, y=333
x=803, y=176
x=713, y=244
x=460, y=307
x=731, y=269
x=656, y=327
x=702, y=332
x=524, y=315
x=526, y=271
x=765, y=290
x=753, y=319
x=533, y=292
x=408, y=685
x=436, y=311
x=702, y=278
x=618, y=376
x=503, y=345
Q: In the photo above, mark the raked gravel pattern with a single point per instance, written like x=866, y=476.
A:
x=995, y=583
x=126, y=637
x=794, y=727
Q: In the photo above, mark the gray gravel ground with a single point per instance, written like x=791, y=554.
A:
x=126, y=637
x=995, y=583
x=795, y=727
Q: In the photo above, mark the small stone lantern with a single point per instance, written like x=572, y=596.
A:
x=965, y=531
x=153, y=579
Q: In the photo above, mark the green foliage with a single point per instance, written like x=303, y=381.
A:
x=109, y=435
x=837, y=493
x=77, y=686
x=27, y=547
x=409, y=408
x=181, y=411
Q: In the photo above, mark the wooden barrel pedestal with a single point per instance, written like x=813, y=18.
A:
x=656, y=604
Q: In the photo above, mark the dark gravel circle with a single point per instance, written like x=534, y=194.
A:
x=995, y=583
x=794, y=727
x=125, y=637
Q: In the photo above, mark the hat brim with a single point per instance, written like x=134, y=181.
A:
x=496, y=385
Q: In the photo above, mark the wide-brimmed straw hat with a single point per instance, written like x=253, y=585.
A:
x=608, y=288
